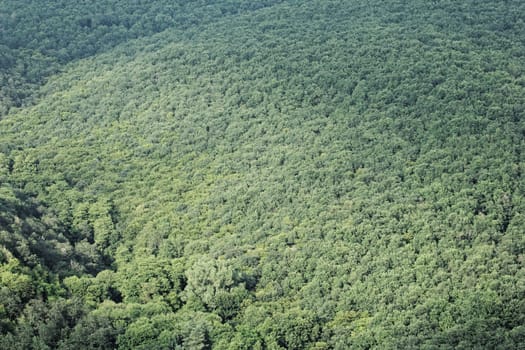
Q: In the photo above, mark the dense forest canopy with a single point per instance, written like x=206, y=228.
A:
x=284, y=174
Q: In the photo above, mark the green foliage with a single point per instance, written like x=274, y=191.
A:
x=276, y=174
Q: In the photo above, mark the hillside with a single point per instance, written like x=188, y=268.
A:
x=273, y=175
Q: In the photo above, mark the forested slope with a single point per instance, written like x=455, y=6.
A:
x=286, y=174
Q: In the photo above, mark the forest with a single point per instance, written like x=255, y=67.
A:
x=271, y=174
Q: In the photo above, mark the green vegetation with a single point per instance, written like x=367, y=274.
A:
x=287, y=174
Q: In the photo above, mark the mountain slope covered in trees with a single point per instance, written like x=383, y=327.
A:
x=272, y=175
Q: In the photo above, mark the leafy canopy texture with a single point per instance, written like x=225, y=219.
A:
x=279, y=174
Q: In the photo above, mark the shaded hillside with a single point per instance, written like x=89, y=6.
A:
x=318, y=174
x=38, y=38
